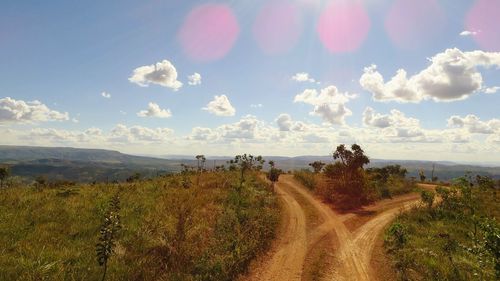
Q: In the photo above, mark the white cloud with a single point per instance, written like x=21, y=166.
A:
x=18, y=111
x=258, y=105
x=474, y=125
x=194, y=79
x=243, y=129
x=452, y=75
x=162, y=73
x=106, y=95
x=396, y=118
x=491, y=90
x=303, y=77
x=466, y=33
x=202, y=134
x=329, y=104
x=220, y=106
x=137, y=134
x=154, y=110
x=284, y=122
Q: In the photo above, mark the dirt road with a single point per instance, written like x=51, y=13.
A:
x=351, y=246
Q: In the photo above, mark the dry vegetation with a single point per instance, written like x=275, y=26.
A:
x=171, y=228
x=348, y=185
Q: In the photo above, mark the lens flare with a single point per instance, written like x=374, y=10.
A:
x=277, y=27
x=412, y=24
x=483, y=19
x=343, y=26
x=209, y=32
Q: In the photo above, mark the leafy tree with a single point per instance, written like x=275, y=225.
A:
x=383, y=174
x=201, y=162
x=109, y=230
x=398, y=234
x=347, y=176
x=247, y=163
x=4, y=174
x=317, y=166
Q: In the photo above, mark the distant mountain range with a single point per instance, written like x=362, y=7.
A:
x=85, y=165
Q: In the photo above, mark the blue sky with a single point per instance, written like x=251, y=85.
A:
x=65, y=54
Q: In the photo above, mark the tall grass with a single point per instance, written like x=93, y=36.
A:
x=208, y=231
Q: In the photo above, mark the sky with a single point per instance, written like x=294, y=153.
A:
x=404, y=79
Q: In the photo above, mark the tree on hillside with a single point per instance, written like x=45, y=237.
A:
x=201, y=162
x=347, y=177
x=317, y=166
x=352, y=160
x=246, y=162
x=274, y=173
x=4, y=174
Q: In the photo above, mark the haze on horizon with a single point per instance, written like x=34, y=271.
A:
x=404, y=79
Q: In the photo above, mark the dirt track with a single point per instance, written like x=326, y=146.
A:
x=352, y=249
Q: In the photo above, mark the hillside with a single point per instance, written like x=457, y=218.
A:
x=85, y=165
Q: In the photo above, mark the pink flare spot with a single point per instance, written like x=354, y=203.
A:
x=343, y=26
x=277, y=27
x=209, y=32
x=484, y=20
x=411, y=23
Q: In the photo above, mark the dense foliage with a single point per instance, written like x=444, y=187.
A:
x=171, y=228
x=454, y=238
x=347, y=184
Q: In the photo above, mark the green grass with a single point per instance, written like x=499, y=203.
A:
x=51, y=234
x=442, y=243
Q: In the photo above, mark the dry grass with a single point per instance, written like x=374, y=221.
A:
x=50, y=234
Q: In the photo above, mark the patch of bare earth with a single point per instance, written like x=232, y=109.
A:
x=317, y=243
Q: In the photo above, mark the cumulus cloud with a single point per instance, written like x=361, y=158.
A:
x=202, y=134
x=137, y=134
x=194, y=79
x=243, y=129
x=284, y=122
x=491, y=90
x=329, y=104
x=106, y=95
x=220, y=106
x=161, y=73
x=452, y=75
x=396, y=118
x=303, y=77
x=154, y=110
x=18, y=111
x=473, y=124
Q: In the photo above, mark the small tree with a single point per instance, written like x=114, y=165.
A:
x=201, y=162
x=274, y=173
x=317, y=166
x=109, y=230
x=398, y=233
x=4, y=174
x=421, y=174
x=428, y=198
x=247, y=163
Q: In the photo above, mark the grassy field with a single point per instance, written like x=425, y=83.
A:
x=458, y=238
x=172, y=229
